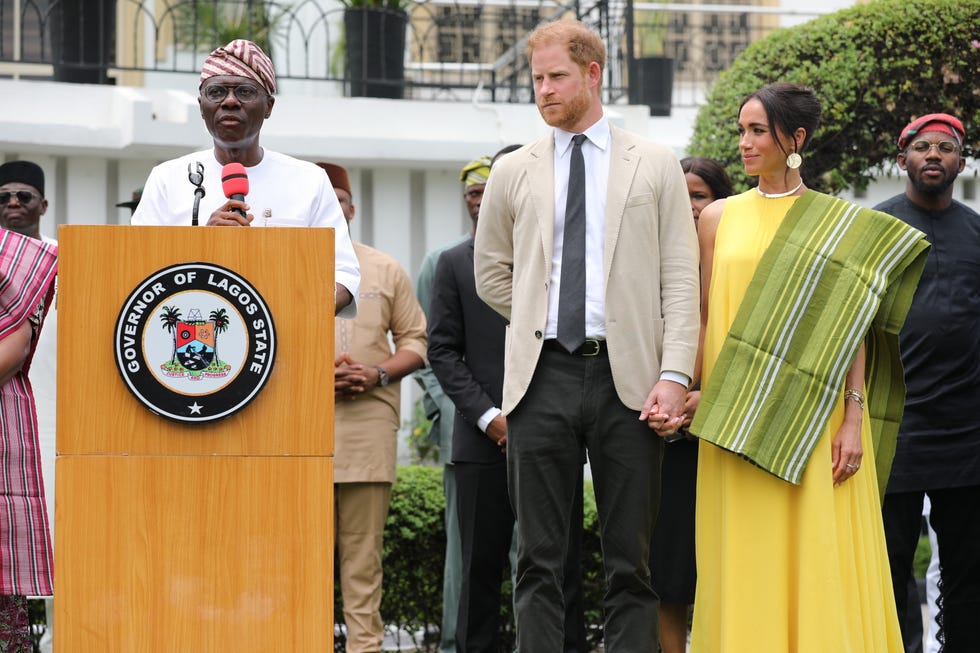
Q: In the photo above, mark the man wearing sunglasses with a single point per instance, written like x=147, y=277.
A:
x=22, y=200
x=938, y=450
x=237, y=93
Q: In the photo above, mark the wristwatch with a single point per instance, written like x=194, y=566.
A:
x=383, y=378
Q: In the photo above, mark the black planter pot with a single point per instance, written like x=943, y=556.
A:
x=83, y=41
x=652, y=83
x=376, y=51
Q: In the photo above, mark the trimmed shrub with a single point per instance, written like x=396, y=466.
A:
x=875, y=67
x=593, y=576
x=414, y=551
x=922, y=557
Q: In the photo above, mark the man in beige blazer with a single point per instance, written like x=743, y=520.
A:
x=632, y=353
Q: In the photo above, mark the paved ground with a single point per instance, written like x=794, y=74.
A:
x=401, y=641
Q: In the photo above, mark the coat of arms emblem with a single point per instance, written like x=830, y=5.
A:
x=195, y=350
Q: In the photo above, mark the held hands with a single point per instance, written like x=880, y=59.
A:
x=691, y=402
x=351, y=378
x=497, y=431
x=227, y=215
x=664, y=409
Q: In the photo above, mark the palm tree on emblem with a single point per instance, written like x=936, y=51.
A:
x=220, y=319
x=170, y=317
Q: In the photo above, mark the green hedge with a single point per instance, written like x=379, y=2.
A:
x=875, y=66
x=922, y=557
x=414, y=550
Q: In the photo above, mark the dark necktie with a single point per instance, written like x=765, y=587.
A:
x=571, y=293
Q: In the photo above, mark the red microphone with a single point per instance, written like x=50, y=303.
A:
x=234, y=182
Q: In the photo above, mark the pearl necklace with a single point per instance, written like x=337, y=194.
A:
x=774, y=196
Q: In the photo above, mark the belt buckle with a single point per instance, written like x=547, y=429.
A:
x=593, y=350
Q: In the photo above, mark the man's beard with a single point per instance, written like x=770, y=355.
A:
x=933, y=188
x=572, y=111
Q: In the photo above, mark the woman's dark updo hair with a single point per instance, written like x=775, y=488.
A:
x=713, y=174
x=789, y=107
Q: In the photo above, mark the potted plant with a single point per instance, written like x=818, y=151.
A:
x=651, y=72
x=375, y=38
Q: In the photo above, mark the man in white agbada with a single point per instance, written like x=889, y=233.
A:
x=237, y=93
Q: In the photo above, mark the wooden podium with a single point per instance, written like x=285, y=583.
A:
x=174, y=536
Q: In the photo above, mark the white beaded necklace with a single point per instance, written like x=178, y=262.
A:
x=774, y=196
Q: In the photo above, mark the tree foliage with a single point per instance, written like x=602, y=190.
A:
x=202, y=25
x=875, y=67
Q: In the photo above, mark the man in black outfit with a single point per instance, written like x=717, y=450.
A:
x=938, y=451
x=466, y=353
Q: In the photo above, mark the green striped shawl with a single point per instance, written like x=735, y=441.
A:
x=834, y=274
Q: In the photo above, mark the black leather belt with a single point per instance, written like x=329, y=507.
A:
x=591, y=347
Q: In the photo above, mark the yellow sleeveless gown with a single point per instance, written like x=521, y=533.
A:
x=783, y=568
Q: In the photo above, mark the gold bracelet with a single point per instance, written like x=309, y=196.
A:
x=855, y=395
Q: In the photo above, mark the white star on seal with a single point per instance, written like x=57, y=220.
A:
x=195, y=408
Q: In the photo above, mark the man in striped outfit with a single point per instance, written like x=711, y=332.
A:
x=27, y=268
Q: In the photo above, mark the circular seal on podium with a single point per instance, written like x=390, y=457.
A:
x=195, y=342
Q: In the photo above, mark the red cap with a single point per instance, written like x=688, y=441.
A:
x=338, y=175
x=234, y=179
x=934, y=122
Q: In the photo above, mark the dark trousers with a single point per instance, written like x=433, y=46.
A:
x=487, y=520
x=486, y=526
x=575, y=637
x=571, y=406
x=955, y=516
x=911, y=625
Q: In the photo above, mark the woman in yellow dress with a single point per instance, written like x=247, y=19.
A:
x=790, y=558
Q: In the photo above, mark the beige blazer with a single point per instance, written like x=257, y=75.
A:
x=650, y=263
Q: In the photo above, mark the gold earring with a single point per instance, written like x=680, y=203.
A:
x=794, y=161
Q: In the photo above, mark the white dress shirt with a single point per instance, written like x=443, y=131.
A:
x=596, y=152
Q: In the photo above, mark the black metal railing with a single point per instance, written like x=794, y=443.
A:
x=448, y=50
